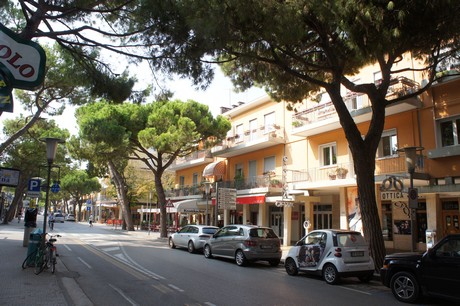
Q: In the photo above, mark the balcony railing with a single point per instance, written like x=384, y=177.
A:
x=397, y=164
x=399, y=87
x=262, y=132
x=201, y=154
x=183, y=191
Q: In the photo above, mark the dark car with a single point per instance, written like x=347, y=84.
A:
x=435, y=272
x=245, y=243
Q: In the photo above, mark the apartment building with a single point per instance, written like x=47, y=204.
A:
x=293, y=171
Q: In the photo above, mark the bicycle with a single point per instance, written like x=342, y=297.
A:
x=43, y=257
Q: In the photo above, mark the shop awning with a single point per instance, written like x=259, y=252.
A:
x=215, y=169
x=247, y=199
x=186, y=206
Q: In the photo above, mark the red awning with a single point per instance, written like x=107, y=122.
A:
x=248, y=199
x=215, y=169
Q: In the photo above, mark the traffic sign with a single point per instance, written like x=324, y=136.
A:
x=55, y=188
x=33, y=188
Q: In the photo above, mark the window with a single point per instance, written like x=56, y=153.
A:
x=239, y=133
x=269, y=164
x=450, y=132
x=378, y=78
x=328, y=154
x=388, y=145
x=195, y=179
x=252, y=173
x=253, y=129
x=357, y=102
x=182, y=181
x=269, y=122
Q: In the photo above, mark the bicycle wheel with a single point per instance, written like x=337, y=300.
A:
x=52, y=261
x=41, y=261
x=30, y=259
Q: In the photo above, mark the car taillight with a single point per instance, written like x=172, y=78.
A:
x=338, y=252
x=250, y=243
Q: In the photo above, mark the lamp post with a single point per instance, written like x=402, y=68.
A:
x=207, y=186
x=51, y=147
x=411, y=159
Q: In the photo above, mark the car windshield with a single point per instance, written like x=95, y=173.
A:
x=209, y=230
x=350, y=239
x=262, y=233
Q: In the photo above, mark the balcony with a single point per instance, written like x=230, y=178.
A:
x=262, y=182
x=250, y=141
x=333, y=176
x=196, y=158
x=323, y=117
x=185, y=192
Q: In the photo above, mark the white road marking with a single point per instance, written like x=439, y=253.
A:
x=359, y=291
x=128, y=299
x=68, y=248
x=85, y=263
x=175, y=288
x=111, y=249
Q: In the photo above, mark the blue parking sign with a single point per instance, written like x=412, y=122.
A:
x=33, y=188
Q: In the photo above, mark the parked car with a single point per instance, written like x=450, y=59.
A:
x=435, y=272
x=58, y=217
x=332, y=254
x=245, y=243
x=192, y=237
x=70, y=217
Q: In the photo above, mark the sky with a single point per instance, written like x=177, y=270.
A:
x=219, y=93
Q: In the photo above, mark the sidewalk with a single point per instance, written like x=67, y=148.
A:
x=23, y=287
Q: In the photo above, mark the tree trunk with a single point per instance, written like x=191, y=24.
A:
x=162, y=202
x=121, y=193
x=364, y=169
x=363, y=153
x=18, y=194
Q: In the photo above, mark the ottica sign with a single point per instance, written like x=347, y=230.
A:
x=22, y=61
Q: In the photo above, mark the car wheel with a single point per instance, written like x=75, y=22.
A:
x=405, y=287
x=366, y=278
x=291, y=267
x=330, y=274
x=240, y=259
x=207, y=251
x=171, y=243
x=191, y=247
x=274, y=262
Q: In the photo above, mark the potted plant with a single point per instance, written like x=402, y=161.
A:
x=275, y=183
x=332, y=175
x=341, y=172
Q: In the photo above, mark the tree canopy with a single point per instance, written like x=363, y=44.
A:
x=154, y=134
x=296, y=48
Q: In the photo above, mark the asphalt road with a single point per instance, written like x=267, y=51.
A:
x=118, y=268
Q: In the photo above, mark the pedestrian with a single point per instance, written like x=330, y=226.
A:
x=91, y=220
x=51, y=221
x=19, y=217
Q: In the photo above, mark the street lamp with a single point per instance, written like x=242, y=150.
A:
x=51, y=147
x=411, y=159
x=207, y=186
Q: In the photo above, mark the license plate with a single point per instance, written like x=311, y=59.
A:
x=265, y=246
x=357, y=254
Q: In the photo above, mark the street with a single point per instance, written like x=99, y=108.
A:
x=115, y=267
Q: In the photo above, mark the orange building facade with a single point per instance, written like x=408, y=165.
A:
x=293, y=171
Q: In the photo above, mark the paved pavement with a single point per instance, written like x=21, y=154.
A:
x=21, y=287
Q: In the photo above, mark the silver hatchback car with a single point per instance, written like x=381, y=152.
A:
x=192, y=237
x=245, y=243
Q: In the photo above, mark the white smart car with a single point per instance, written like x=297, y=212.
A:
x=331, y=254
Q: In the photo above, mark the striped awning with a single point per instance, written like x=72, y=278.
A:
x=215, y=169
